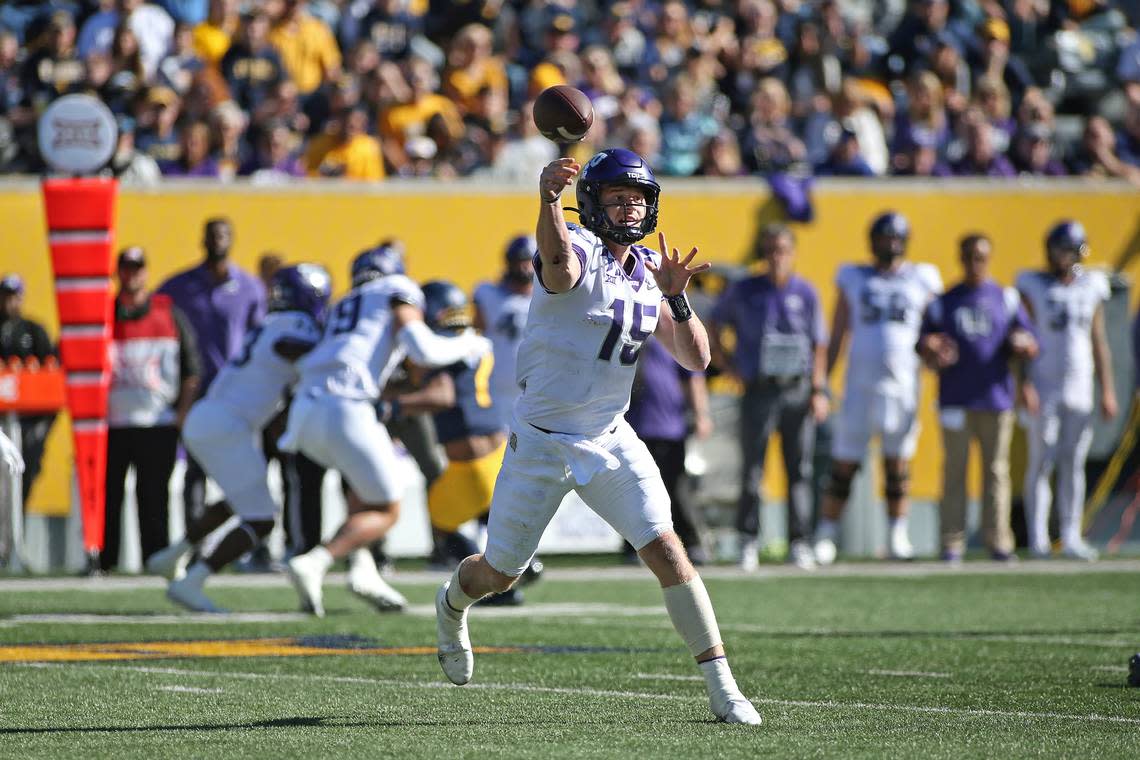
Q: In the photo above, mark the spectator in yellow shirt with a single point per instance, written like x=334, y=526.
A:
x=307, y=47
x=347, y=150
x=471, y=68
x=410, y=118
x=212, y=37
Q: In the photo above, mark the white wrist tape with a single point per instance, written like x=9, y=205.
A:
x=692, y=614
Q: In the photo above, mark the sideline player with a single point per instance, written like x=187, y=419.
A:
x=223, y=430
x=501, y=310
x=601, y=297
x=881, y=306
x=1066, y=302
x=333, y=421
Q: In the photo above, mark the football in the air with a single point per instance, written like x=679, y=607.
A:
x=563, y=114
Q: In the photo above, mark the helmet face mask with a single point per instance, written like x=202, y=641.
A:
x=446, y=307
x=616, y=168
x=1066, y=246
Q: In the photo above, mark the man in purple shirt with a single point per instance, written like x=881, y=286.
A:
x=663, y=394
x=222, y=303
x=981, y=158
x=780, y=358
x=969, y=334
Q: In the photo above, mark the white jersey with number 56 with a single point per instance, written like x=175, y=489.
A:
x=1063, y=314
x=885, y=314
x=579, y=350
x=359, y=350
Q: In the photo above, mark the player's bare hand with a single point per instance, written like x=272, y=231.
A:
x=947, y=352
x=1029, y=399
x=820, y=407
x=1023, y=344
x=556, y=177
x=673, y=273
x=702, y=426
x=1108, y=406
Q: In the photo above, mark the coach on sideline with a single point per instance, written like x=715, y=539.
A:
x=780, y=357
x=969, y=334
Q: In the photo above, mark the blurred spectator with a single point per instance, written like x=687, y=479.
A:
x=228, y=124
x=1097, y=157
x=993, y=99
x=980, y=157
x=602, y=83
x=684, y=130
x=1032, y=152
x=525, y=152
x=761, y=55
x=54, y=68
x=153, y=28
x=410, y=117
x=222, y=303
x=307, y=47
x=1128, y=138
x=953, y=74
x=27, y=341
x=769, y=144
x=154, y=379
x=1128, y=71
x=98, y=31
x=845, y=158
x=251, y=66
x=276, y=158
x=815, y=74
x=194, y=158
x=389, y=26
x=212, y=36
x=919, y=157
x=969, y=335
x=670, y=45
x=994, y=59
x=471, y=67
x=851, y=106
x=128, y=164
x=925, y=112
x=346, y=150
x=923, y=27
x=185, y=11
x=127, y=74
x=663, y=398
x=178, y=69
x=622, y=37
x=156, y=117
x=720, y=156
x=780, y=357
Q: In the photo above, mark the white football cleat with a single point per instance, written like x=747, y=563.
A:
x=749, y=559
x=733, y=707
x=364, y=580
x=825, y=551
x=307, y=576
x=186, y=594
x=170, y=562
x=455, y=654
x=800, y=555
x=898, y=544
x=1080, y=550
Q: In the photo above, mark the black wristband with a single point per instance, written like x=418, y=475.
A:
x=679, y=305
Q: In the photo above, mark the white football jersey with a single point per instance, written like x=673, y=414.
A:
x=579, y=349
x=253, y=383
x=1063, y=314
x=359, y=350
x=884, y=316
x=504, y=315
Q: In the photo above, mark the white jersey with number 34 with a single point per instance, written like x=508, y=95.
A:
x=1063, y=314
x=359, y=350
x=885, y=314
x=579, y=350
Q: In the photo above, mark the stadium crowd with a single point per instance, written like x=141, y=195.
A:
x=277, y=90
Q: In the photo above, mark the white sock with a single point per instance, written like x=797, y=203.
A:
x=457, y=598
x=197, y=574
x=897, y=523
x=362, y=561
x=321, y=557
x=827, y=530
x=692, y=614
x=718, y=676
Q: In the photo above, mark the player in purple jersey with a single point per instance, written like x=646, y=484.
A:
x=969, y=335
x=601, y=297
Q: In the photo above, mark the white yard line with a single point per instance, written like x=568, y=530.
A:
x=530, y=688
x=1111, y=668
x=602, y=574
x=905, y=673
x=189, y=689
x=666, y=677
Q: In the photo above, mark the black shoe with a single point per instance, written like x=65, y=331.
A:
x=1134, y=671
x=532, y=573
x=512, y=598
x=94, y=567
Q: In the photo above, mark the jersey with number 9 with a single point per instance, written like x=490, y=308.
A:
x=578, y=355
x=359, y=350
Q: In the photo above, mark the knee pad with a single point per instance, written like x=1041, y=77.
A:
x=839, y=483
x=257, y=530
x=897, y=482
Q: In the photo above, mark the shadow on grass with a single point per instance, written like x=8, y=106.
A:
x=918, y=634
x=298, y=722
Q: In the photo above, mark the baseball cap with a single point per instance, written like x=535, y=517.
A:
x=11, y=283
x=132, y=256
x=562, y=23
x=162, y=96
x=994, y=29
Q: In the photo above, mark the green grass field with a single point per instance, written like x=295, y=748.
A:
x=864, y=661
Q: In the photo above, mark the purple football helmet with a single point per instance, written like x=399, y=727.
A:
x=381, y=261
x=303, y=287
x=616, y=166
